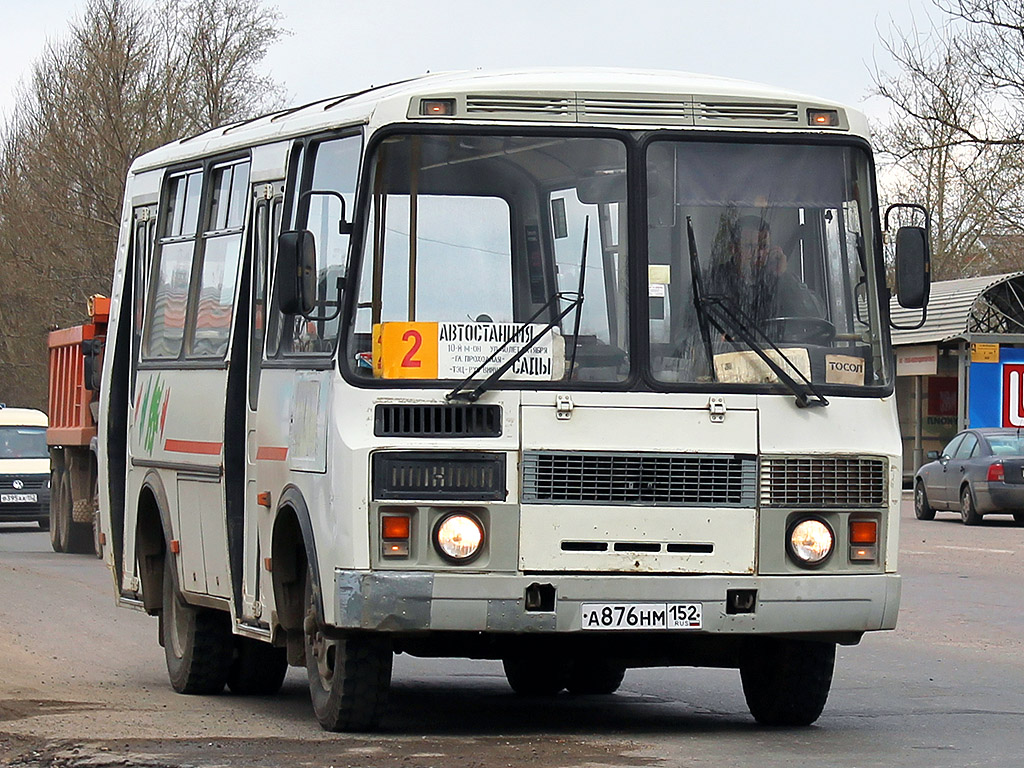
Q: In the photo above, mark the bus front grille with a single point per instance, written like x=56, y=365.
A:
x=824, y=482
x=667, y=479
x=428, y=420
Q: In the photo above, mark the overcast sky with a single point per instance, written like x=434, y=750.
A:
x=825, y=49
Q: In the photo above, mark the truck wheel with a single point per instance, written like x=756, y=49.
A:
x=1018, y=517
x=535, y=675
x=44, y=523
x=97, y=547
x=57, y=530
x=349, y=677
x=786, y=682
x=595, y=677
x=75, y=537
x=197, y=641
x=258, y=668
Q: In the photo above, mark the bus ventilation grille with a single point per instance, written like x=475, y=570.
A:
x=823, y=482
x=437, y=420
x=639, y=478
x=744, y=113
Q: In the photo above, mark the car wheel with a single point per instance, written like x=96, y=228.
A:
x=1018, y=517
x=968, y=512
x=349, y=676
x=787, y=682
x=922, y=509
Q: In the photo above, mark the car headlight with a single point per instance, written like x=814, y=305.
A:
x=810, y=541
x=459, y=537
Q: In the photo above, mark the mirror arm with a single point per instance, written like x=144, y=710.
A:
x=332, y=315
x=344, y=227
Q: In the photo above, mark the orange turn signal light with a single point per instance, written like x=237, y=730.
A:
x=437, y=107
x=863, y=532
x=394, y=527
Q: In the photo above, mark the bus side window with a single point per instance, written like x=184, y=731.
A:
x=172, y=267
x=141, y=245
x=333, y=167
x=221, y=250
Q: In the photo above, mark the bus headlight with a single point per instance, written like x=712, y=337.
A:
x=459, y=537
x=810, y=541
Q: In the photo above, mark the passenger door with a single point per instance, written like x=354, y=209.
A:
x=935, y=477
x=956, y=467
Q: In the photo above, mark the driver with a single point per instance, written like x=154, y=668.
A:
x=755, y=276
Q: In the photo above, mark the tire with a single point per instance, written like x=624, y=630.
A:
x=968, y=512
x=1018, y=517
x=57, y=529
x=77, y=537
x=595, y=677
x=922, y=509
x=258, y=668
x=536, y=674
x=97, y=547
x=44, y=523
x=197, y=641
x=786, y=682
x=349, y=677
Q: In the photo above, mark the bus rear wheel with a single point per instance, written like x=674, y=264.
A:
x=258, y=668
x=786, y=682
x=535, y=674
x=349, y=676
x=595, y=677
x=197, y=641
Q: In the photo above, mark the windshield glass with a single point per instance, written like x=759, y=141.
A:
x=23, y=443
x=475, y=244
x=781, y=236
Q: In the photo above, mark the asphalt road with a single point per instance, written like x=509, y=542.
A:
x=82, y=683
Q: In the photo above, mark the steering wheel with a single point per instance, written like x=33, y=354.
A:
x=799, y=330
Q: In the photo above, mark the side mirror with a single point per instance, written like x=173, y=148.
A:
x=932, y=455
x=913, y=264
x=92, y=350
x=296, y=272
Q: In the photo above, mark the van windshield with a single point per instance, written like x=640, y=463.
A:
x=23, y=443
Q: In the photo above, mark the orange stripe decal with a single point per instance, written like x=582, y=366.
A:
x=193, y=446
x=271, y=453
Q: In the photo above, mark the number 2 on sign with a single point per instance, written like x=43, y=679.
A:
x=410, y=361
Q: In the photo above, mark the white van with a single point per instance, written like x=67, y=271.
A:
x=24, y=466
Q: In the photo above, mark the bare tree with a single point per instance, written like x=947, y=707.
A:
x=970, y=187
x=128, y=77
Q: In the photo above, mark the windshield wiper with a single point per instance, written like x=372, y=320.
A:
x=575, y=302
x=733, y=321
x=698, y=298
x=460, y=393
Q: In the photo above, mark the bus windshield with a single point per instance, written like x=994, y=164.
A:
x=781, y=247
x=475, y=244
x=23, y=443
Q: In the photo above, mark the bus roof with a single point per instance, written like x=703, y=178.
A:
x=594, y=96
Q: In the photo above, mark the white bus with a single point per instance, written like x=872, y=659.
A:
x=490, y=366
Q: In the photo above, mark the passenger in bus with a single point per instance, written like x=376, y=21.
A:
x=755, y=276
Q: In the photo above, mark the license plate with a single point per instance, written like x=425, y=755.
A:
x=605, y=616
x=18, y=498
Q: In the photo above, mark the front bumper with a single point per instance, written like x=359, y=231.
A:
x=26, y=511
x=420, y=601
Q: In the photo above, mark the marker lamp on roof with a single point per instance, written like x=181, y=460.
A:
x=823, y=118
x=437, y=107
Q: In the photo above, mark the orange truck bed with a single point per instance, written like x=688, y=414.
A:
x=71, y=418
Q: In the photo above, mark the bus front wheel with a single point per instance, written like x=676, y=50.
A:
x=197, y=641
x=786, y=682
x=349, y=676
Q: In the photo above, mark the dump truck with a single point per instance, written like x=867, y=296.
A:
x=75, y=360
